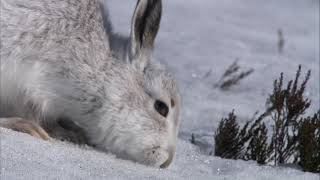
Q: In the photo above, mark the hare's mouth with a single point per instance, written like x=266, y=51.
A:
x=159, y=157
x=168, y=161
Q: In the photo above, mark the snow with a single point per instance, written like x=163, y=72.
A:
x=196, y=37
x=25, y=157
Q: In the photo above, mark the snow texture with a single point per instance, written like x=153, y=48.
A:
x=25, y=157
x=198, y=40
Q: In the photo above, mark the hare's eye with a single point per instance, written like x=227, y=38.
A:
x=161, y=108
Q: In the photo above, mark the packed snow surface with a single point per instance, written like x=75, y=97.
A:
x=198, y=40
x=25, y=157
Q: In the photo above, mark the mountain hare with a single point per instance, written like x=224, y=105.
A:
x=65, y=73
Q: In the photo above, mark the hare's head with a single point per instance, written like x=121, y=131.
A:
x=144, y=101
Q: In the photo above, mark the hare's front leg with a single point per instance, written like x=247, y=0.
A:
x=25, y=126
x=66, y=130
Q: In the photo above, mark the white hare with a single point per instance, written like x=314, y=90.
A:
x=65, y=73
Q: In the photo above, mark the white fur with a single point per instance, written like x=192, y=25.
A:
x=60, y=59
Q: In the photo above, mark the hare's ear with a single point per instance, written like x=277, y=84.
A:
x=144, y=28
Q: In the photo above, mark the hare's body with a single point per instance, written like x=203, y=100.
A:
x=49, y=56
x=60, y=61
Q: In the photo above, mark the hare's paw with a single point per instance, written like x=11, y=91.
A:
x=66, y=130
x=25, y=126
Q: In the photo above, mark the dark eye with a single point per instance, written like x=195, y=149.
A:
x=161, y=108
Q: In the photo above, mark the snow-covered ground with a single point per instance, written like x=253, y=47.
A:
x=24, y=157
x=196, y=37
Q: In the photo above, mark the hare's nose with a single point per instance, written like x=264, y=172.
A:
x=169, y=160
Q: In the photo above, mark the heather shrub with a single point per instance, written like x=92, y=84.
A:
x=232, y=76
x=309, y=143
x=294, y=137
